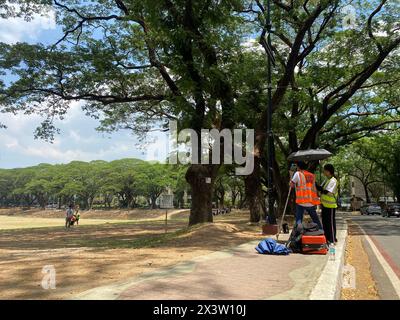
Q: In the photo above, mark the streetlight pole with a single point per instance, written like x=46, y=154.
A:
x=270, y=135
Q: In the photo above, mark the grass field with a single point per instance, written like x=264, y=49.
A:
x=12, y=222
x=12, y=219
x=102, y=250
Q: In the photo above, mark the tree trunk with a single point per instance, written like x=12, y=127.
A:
x=179, y=200
x=221, y=199
x=42, y=202
x=234, y=196
x=105, y=202
x=202, y=192
x=153, y=202
x=367, y=198
x=253, y=192
x=91, y=200
x=242, y=200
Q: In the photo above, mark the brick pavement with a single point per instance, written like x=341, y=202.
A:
x=240, y=274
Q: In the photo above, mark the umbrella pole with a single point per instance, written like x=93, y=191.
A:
x=320, y=173
x=284, y=212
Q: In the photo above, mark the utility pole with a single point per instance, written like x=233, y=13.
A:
x=270, y=135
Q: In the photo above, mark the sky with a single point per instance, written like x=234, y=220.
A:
x=78, y=139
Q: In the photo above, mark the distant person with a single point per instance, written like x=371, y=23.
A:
x=306, y=194
x=77, y=215
x=329, y=197
x=69, y=215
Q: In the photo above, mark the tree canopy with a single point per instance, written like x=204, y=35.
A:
x=137, y=64
x=375, y=162
x=125, y=183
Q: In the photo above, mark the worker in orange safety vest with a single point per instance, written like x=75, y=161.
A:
x=307, y=198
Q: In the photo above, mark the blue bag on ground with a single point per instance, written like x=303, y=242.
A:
x=270, y=246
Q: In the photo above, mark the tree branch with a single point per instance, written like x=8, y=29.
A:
x=353, y=85
x=369, y=25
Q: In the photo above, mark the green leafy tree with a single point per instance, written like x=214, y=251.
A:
x=382, y=152
x=134, y=63
x=179, y=186
x=139, y=63
x=153, y=180
x=353, y=163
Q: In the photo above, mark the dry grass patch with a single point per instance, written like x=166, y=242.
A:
x=357, y=257
x=91, y=256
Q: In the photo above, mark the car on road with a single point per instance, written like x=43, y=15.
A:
x=371, y=209
x=344, y=204
x=392, y=209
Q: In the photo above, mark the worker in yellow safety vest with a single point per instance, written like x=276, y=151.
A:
x=329, y=199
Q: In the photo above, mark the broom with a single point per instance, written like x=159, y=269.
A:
x=284, y=212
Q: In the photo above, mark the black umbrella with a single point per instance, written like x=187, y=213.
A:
x=310, y=155
x=304, y=155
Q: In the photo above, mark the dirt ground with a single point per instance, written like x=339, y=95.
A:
x=13, y=222
x=357, y=257
x=133, y=214
x=54, y=218
x=88, y=256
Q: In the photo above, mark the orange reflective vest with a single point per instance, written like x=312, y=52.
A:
x=310, y=184
x=306, y=192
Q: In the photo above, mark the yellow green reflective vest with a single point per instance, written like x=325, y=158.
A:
x=327, y=200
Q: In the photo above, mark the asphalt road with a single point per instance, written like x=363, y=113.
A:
x=382, y=244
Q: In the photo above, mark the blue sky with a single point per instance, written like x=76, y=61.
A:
x=78, y=139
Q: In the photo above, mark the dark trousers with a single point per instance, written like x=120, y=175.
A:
x=329, y=223
x=312, y=211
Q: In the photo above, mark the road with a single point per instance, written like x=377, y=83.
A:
x=382, y=244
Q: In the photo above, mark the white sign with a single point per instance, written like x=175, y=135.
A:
x=49, y=277
x=349, y=277
x=167, y=201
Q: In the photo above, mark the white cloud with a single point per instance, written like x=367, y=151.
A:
x=78, y=141
x=61, y=154
x=10, y=142
x=252, y=45
x=14, y=30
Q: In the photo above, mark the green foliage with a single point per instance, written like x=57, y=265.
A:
x=137, y=64
x=375, y=162
x=84, y=183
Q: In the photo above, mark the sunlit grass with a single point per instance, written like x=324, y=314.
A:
x=12, y=223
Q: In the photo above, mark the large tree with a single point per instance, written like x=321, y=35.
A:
x=136, y=63
x=353, y=162
x=382, y=154
x=334, y=84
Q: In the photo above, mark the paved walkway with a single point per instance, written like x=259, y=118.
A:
x=240, y=273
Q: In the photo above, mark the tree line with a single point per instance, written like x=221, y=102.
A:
x=122, y=183
x=375, y=163
x=125, y=183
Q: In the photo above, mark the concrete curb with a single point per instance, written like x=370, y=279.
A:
x=329, y=284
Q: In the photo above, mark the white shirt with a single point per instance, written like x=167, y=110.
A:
x=70, y=212
x=332, y=185
x=296, y=181
x=296, y=178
